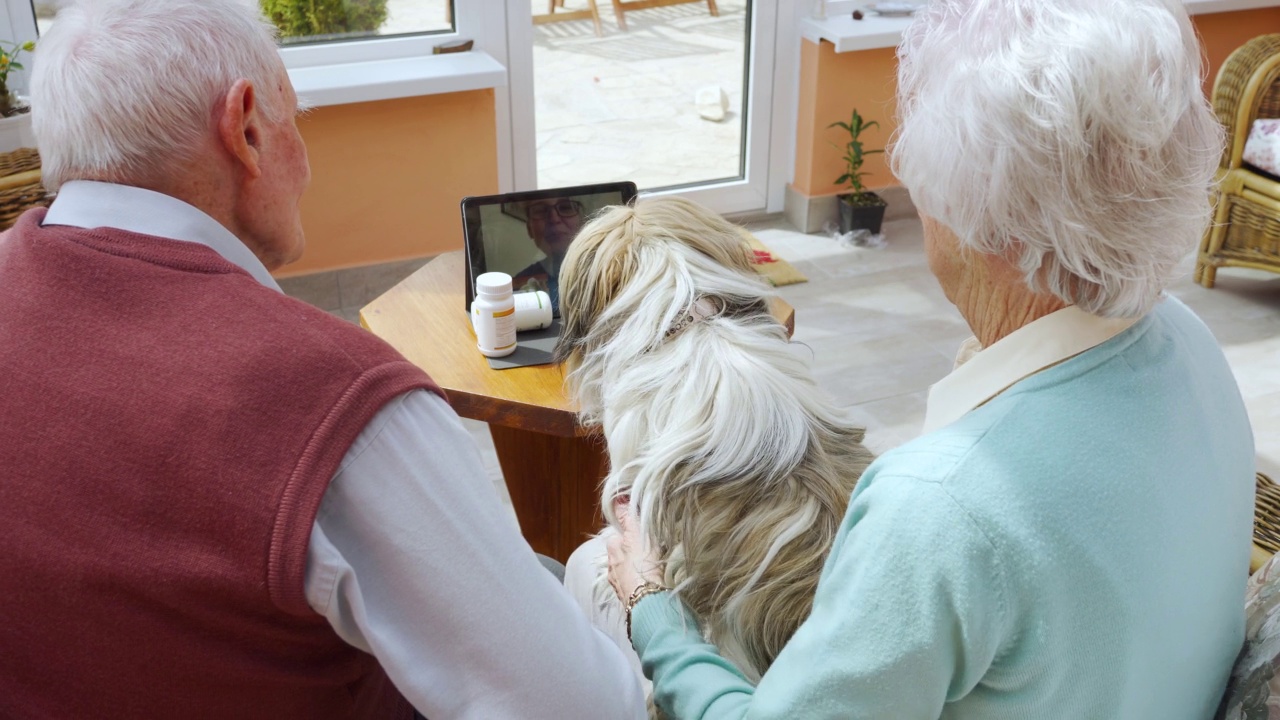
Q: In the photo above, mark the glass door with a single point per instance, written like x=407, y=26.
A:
x=673, y=95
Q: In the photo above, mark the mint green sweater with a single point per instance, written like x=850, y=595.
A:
x=1075, y=548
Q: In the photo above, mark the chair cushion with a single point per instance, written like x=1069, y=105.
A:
x=1253, y=692
x=1262, y=149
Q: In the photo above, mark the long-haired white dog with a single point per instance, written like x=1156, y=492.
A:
x=738, y=466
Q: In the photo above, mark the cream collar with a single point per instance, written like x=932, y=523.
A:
x=982, y=373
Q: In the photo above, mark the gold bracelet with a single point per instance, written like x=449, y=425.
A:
x=646, y=589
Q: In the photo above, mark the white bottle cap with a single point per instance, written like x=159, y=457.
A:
x=493, y=283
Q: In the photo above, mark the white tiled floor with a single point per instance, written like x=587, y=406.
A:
x=881, y=332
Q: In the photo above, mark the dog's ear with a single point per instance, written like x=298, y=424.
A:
x=582, y=299
x=613, y=267
x=589, y=283
x=575, y=311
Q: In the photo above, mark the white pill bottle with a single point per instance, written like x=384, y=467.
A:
x=533, y=311
x=493, y=315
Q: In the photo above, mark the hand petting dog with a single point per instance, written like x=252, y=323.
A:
x=632, y=562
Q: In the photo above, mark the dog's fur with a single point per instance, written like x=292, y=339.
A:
x=738, y=466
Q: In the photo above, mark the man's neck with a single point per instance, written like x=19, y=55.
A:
x=206, y=191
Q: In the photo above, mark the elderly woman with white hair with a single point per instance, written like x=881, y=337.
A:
x=1070, y=536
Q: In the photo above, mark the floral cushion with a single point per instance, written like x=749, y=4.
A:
x=1253, y=693
x=1262, y=149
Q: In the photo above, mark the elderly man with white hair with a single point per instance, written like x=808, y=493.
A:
x=220, y=502
x=1070, y=536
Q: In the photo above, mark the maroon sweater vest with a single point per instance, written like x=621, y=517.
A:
x=168, y=428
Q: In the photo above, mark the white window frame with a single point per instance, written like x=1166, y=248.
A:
x=18, y=24
x=404, y=66
x=770, y=146
x=378, y=68
x=468, y=24
x=748, y=195
x=18, y=21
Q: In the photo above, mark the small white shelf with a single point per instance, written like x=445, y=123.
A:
x=1208, y=7
x=873, y=31
x=388, y=79
x=848, y=35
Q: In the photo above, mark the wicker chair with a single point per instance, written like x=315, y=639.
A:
x=1266, y=522
x=1246, y=228
x=20, y=186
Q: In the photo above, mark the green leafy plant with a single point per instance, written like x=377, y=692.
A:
x=312, y=18
x=9, y=61
x=854, y=155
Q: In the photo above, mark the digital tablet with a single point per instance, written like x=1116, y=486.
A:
x=527, y=234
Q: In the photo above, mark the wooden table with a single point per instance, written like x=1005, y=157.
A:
x=552, y=466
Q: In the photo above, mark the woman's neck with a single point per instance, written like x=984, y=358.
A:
x=999, y=303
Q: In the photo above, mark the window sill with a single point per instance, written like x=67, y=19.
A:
x=372, y=80
x=873, y=31
x=1208, y=7
x=849, y=35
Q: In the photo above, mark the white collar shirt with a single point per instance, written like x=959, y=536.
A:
x=983, y=373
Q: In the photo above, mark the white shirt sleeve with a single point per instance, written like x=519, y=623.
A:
x=413, y=559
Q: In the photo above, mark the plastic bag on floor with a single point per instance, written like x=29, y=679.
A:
x=855, y=238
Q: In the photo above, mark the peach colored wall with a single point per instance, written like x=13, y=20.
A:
x=1222, y=33
x=386, y=177
x=806, y=120
x=832, y=84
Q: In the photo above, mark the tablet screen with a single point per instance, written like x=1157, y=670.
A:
x=526, y=235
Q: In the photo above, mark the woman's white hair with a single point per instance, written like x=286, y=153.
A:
x=1071, y=136
x=121, y=89
x=739, y=467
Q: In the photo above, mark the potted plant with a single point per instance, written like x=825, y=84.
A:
x=860, y=209
x=15, y=116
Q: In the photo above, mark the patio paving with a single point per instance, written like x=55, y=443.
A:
x=622, y=106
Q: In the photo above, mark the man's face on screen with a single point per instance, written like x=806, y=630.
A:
x=553, y=224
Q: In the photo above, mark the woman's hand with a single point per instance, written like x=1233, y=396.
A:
x=629, y=565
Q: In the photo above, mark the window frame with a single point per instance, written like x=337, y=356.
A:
x=405, y=55
x=20, y=16
x=468, y=24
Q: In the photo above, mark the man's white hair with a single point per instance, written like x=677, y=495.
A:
x=1071, y=136
x=121, y=89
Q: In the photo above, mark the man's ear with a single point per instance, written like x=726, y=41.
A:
x=240, y=126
